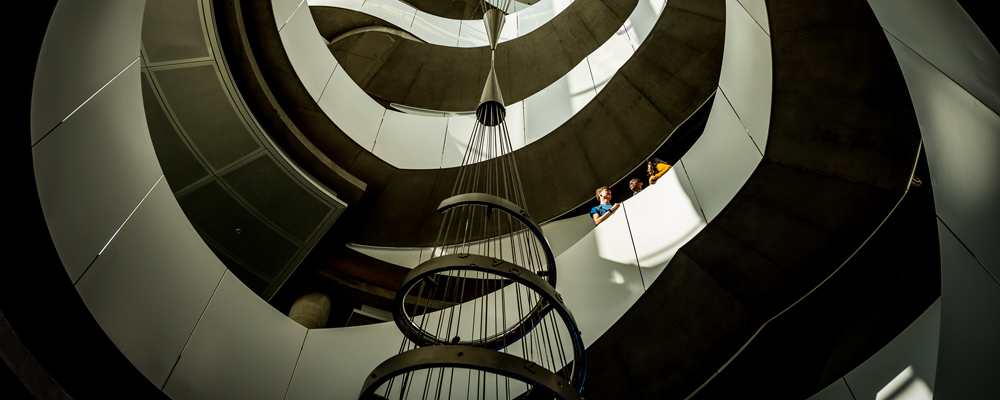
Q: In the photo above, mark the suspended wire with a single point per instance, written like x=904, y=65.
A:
x=437, y=305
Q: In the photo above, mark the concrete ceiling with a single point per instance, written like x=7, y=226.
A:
x=454, y=9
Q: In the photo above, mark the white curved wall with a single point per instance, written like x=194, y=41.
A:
x=170, y=305
x=440, y=142
x=733, y=142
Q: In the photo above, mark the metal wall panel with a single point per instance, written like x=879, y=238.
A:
x=943, y=34
x=539, y=14
x=962, y=141
x=640, y=23
x=335, y=362
x=150, y=286
x=563, y=234
x=549, y=108
x=967, y=363
x=307, y=52
x=88, y=43
x=598, y=277
x=746, y=72
x=758, y=10
x=515, y=125
x=661, y=218
x=605, y=62
x=242, y=348
x=436, y=30
x=284, y=9
x=836, y=391
x=411, y=141
x=722, y=159
x=685, y=181
x=456, y=139
x=392, y=11
x=94, y=169
x=351, y=109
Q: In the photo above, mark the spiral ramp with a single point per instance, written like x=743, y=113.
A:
x=799, y=231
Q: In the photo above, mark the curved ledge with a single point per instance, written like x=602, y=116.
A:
x=375, y=28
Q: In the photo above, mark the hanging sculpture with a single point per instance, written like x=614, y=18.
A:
x=481, y=319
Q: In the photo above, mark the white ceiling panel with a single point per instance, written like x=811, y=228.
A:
x=242, y=348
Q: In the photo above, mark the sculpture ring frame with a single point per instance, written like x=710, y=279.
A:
x=473, y=358
x=551, y=300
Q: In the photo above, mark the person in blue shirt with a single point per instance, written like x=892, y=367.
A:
x=604, y=210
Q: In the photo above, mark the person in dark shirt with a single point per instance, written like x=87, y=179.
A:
x=603, y=211
x=635, y=185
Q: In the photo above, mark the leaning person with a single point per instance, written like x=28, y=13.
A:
x=655, y=168
x=603, y=210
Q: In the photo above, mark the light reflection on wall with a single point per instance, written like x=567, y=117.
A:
x=906, y=386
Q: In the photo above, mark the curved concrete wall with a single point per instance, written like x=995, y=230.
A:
x=521, y=20
x=411, y=141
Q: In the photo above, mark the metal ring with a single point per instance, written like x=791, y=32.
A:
x=472, y=262
x=513, y=210
x=474, y=358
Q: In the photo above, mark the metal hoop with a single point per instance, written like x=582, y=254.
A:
x=474, y=358
x=451, y=262
x=513, y=210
